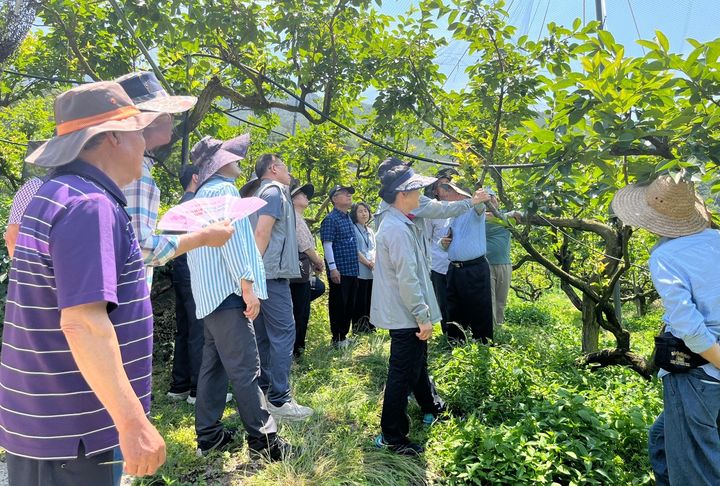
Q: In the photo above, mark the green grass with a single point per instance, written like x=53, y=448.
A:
x=522, y=413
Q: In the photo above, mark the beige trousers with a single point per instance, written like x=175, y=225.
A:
x=500, y=287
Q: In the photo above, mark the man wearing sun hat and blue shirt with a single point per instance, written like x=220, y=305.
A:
x=684, y=444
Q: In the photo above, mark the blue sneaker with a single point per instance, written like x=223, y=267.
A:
x=428, y=419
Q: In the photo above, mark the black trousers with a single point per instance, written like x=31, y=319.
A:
x=361, y=312
x=341, y=303
x=469, y=301
x=439, y=282
x=82, y=471
x=407, y=372
x=189, y=332
x=231, y=355
x=300, y=293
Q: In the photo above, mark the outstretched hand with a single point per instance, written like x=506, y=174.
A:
x=480, y=196
x=217, y=234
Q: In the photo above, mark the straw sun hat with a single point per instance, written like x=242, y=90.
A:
x=663, y=207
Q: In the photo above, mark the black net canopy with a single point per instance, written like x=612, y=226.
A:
x=16, y=17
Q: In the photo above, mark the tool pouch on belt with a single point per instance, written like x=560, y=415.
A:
x=671, y=354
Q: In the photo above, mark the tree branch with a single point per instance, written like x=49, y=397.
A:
x=618, y=357
x=576, y=282
x=72, y=42
x=605, y=231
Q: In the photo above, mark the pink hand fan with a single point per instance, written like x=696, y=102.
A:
x=195, y=214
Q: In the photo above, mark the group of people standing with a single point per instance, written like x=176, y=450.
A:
x=431, y=267
x=76, y=360
x=84, y=242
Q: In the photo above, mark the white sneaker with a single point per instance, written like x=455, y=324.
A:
x=178, y=396
x=289, y=411
x=344, y=344
x=191, y=400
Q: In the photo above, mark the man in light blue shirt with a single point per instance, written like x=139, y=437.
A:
x=684, y=444
x=469, y=299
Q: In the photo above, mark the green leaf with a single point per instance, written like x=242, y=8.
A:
x=662, y=40
x=607, y=39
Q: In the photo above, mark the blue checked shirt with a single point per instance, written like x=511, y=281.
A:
x=339, y=229
x=215, y=273
x=143, y=202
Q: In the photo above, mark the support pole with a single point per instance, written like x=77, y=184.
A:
x=600, y=12
x=141, y=46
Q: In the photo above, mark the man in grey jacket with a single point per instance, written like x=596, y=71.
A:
x=405, y=305
x=427, y=208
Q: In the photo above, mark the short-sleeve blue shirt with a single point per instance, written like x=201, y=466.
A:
x=339, y=229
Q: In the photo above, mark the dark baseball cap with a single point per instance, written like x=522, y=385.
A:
x=340, y=187
x=388, y=164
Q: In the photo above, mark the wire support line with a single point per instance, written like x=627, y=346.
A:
x=532, y=19
x=542, y=24
x=457, y=64
x=10, y=142
x=44, y=78
x=637, y=30
x=330, y=119
x=307, y=105
x=685, y=27
x=248, y=122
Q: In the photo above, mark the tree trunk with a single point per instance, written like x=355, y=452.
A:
x=640, y=306
x=590, y=327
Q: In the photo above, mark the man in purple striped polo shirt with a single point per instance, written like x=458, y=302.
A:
x=76, y=362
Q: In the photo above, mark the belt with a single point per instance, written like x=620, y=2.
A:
x=469, y=263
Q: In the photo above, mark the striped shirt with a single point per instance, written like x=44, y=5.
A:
x=22, y=198
x=215, y=273
x=143, y=202
x=76, y=246
x=437, y=229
